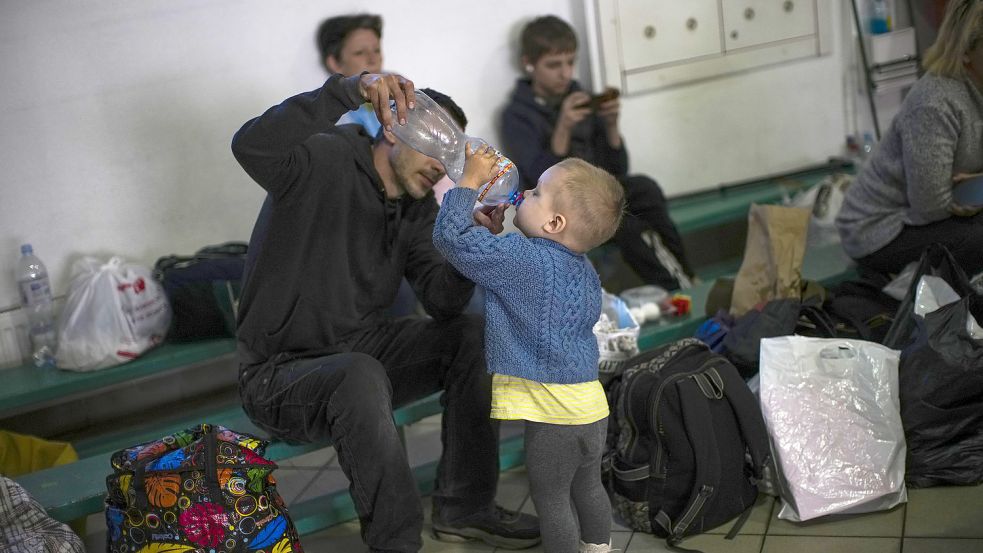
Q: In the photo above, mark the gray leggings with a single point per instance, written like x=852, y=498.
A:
x=564, y=466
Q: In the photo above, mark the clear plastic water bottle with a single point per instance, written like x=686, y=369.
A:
x=35, y=295
x=431, y=131
x=879, y=21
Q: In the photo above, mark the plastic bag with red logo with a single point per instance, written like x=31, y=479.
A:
x=114, y=312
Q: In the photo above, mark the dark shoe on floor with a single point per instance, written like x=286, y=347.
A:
x=499, y=527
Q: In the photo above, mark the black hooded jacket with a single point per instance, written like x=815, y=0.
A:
x=329, y=249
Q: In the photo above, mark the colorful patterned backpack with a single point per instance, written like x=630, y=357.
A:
x=206, y=488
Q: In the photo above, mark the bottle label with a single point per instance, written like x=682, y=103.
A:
x=33, y=292
x=504, y=166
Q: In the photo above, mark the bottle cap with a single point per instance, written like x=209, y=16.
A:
x=26, y=249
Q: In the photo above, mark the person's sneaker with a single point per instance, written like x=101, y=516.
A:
x=499, y=527
x=596, y=548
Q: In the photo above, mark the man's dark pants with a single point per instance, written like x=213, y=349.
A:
x=348, y=398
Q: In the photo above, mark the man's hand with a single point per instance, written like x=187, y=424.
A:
x=480, y=166
x=380, y=88
x=492, y=218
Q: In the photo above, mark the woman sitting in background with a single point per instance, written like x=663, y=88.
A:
x=351, y=44
x=902, y=199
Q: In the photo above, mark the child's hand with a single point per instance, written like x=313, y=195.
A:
x=480, y=166
x=492, y=218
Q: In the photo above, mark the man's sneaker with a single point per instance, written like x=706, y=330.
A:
x=499, y=527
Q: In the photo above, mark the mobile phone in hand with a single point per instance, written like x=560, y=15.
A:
x=597, y=99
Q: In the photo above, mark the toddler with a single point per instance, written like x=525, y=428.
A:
x=542, y=299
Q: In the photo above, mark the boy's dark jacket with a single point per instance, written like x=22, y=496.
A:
x=527, y=132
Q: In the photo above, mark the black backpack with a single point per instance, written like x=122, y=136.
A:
x=691, y=443
x=204, y=290
x=860, y=309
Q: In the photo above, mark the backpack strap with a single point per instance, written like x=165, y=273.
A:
x=749, y=419
x=227, y=249
x=745, y=408
x=167, y=263
x=636, y=474
x=699, y=428
x=814, y=313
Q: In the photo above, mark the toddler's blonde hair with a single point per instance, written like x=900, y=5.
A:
x=593, y=200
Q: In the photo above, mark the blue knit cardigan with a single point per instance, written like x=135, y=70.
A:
x=541, y=298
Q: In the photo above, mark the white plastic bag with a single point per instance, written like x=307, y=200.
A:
x=114, y=312
x=932, y=293
x=977, y=283
x=617, y=336
x=832, y=410
x=898, y=287
x=824, y=200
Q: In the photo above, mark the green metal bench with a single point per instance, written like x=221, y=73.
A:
x=712, y=209
x=75, y=490
x=28, y=388
x=731, y=202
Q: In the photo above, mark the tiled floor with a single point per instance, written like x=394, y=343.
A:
x=935, y=520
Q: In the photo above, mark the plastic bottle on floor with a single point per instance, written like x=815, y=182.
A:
x=36, y=297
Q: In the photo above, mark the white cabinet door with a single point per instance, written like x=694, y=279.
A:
x=657, y=32
x=755, y=22
x=643, y=45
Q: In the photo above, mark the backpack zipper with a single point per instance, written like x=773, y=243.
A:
x=217, y=466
